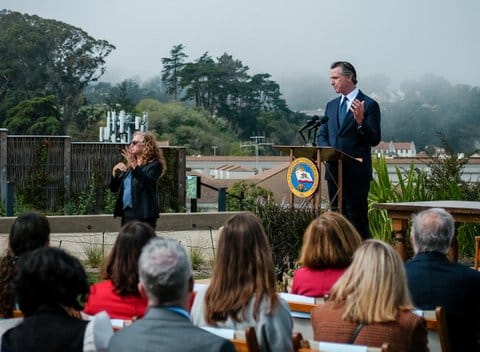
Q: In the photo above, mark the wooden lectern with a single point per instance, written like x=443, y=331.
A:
x=318, y=155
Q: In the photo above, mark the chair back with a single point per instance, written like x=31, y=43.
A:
x=437, y=322
x=243, y=340
x=320, y=346
x=301, y=308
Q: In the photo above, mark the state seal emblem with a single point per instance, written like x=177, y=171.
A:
x=302, y=177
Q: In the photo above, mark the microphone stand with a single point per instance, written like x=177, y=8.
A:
x=303, y=137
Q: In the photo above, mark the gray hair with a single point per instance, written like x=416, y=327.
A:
x=164, y=271
x=433, y=231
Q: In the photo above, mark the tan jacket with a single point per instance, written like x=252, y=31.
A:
x=407, y=333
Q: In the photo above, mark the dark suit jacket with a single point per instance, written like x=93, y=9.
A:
x=164, y=330
x=352, y=139
x=48, y=329
x=435, y=281
x=407, y=333
x=144, y=190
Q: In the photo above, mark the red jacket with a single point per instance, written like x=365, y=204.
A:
x=314, y=283
x=103, y=297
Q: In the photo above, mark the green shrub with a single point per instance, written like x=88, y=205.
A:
x=411, y=187
x=284, y=228
x=94, y=252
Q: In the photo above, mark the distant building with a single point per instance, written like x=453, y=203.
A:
x=395, y=149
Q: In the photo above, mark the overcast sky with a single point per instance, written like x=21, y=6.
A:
x=401, y=38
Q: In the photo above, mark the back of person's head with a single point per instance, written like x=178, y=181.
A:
x=28, y=232
x=165, y=272
x=243, y=269
x=374, y=287
x=432, y=231
x=122, y=262
x=49, y=276
x=329, y=242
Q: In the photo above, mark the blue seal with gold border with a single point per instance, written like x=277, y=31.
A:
x=302, y=177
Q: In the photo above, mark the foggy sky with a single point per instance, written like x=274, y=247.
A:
x=403, y=39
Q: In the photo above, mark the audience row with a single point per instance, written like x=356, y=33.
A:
x=370, y=293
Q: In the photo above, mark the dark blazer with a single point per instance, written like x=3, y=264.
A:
x=435, y=281
x=352, y=139
x=356, y=141
x=49, y=329
x=407, y=333
x=144, y=190
x=164, y=330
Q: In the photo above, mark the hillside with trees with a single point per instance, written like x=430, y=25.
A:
x=49, y=84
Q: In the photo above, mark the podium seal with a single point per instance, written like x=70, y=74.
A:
x=302, y=177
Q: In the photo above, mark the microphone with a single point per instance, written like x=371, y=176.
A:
x=320, y=121
x=309, y=123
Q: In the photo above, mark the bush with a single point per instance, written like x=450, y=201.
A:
x=285, y=228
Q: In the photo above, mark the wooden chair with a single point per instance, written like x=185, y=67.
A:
x=437, y=321
x=246, y=341
x=477, y=252
x=17, y=313
x=319, y=346
x=297, y=341
x=243, y=340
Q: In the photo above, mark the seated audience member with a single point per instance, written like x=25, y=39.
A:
x=435, y=281
x=242, y=291
x=28, y=232
x=166, y=279
x=118, y=294
x=327, y=250
x=370, y=304
x=47, y=287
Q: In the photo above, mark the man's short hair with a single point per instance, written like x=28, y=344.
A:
x=347, y=69
x=164, y=270
x=433, y=231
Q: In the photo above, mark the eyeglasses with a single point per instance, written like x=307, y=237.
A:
x=136, y=142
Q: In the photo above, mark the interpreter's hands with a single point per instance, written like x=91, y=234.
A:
x=129, y=157
x=357, y=109
x=120, y=167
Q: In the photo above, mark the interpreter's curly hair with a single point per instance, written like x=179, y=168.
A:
x=49, y=276
x=28, y=232
x=122, y=262
x=151, y=150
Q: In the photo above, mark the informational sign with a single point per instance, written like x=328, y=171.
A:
x=193, y=187
x=302, y=177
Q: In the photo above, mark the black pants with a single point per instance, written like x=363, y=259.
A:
x=354, y=205
x=128, y=217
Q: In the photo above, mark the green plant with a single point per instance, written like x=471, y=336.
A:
x=284, y=227
x=411, y=186
x=243, y=195
x=94, y=252
x=197, y=258
x=109, y=201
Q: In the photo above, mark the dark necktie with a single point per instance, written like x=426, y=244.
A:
x=343, y=111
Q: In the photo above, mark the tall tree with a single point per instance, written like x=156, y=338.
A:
x=40, y=57
x=171, y=70
x=38, y=115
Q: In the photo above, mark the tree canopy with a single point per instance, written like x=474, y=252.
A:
x=42, y=57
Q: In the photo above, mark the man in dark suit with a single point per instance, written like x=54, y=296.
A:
x=435, y=281
x=166, y=280
x=353, y=127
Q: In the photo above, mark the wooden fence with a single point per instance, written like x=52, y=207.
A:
x=49, y=172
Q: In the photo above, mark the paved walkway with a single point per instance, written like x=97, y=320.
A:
x=204, y=241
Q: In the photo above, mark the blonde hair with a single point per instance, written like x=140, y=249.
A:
x=329, y=242
x=374, y=287
x=243, y=271
x=151, y=151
